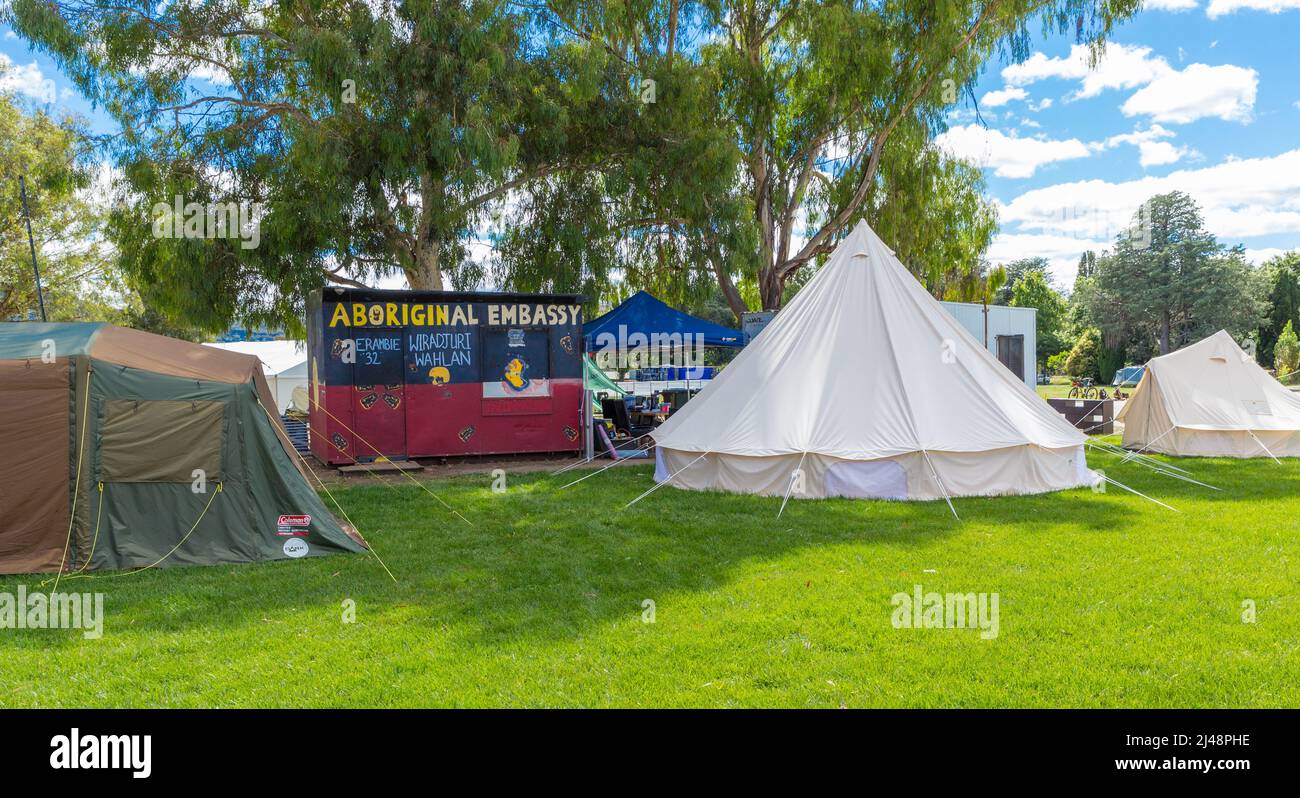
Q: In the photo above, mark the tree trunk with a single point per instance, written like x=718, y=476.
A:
x=1164, y=333
x=424, y=274
x=771, y=286
x=729, y=292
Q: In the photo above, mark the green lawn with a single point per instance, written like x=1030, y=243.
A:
x=1060, y=389
x=1105, y=600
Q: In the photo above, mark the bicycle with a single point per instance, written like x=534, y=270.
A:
x=1085, y=389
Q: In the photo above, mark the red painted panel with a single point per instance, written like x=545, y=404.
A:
x=331, y=435
x=448, y=420
x=379, y=421
x=523, y=406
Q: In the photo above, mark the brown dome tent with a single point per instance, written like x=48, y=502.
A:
x=120, y=449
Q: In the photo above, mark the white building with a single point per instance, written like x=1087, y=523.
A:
x=1011, y=334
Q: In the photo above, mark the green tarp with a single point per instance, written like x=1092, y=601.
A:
x=595, y=380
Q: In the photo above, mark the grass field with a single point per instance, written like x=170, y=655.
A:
x=1060, y=389
x=1105, y=600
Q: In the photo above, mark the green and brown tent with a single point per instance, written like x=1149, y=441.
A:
x=120, y=449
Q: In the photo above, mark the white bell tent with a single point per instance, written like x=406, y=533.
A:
x=1211, y=399
x=868, y=389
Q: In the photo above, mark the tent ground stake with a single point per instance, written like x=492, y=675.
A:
x=790, y=487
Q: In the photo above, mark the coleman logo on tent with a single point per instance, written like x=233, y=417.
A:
x=295, y=548
x=292, y=524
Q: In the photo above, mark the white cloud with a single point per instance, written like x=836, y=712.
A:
x=1152, y=151
x=1061, y=251
x=1218, y=8
x=26, y=80
x=1164, y=93
x=1159, y=153
x=1239, y=199
x=1009, y=156
x=1200, y=90
x=1121, y=66
x=1170, y=5
x=1003, y=96
x=1042, y=105
x=1259, y=256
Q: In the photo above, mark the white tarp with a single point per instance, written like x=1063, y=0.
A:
x=1211, y=399
x=864, y=365
x=283, y=362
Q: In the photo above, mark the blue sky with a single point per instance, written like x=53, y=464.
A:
x=1197, y=95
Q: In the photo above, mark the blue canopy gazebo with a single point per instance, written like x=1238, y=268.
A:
x=642, y=313
x=653, y=321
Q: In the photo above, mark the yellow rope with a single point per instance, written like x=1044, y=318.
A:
x=401, y=471
x=307, y=467
x=211, y=499
x=76, y=487
x=99, y=514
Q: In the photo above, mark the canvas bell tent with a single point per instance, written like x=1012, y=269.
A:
x=120, y=450
x=1211, y=399
x=871, y=390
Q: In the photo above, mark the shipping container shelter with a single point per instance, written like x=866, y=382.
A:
x=406, y=374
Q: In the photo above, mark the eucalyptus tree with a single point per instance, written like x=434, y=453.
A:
x=831, y=108
x=50, y=155
x=363, y=138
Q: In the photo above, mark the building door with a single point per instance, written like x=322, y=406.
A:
x=1011, y=351
x=379, y=394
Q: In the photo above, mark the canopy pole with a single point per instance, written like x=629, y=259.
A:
x=1251, y=433
x=659, y=485
x=939, y=481
x=588, y=421
x=790, y=487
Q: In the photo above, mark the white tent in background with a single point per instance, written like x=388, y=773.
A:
x=283, y=362
x=1211, y=399
x=870, y=389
